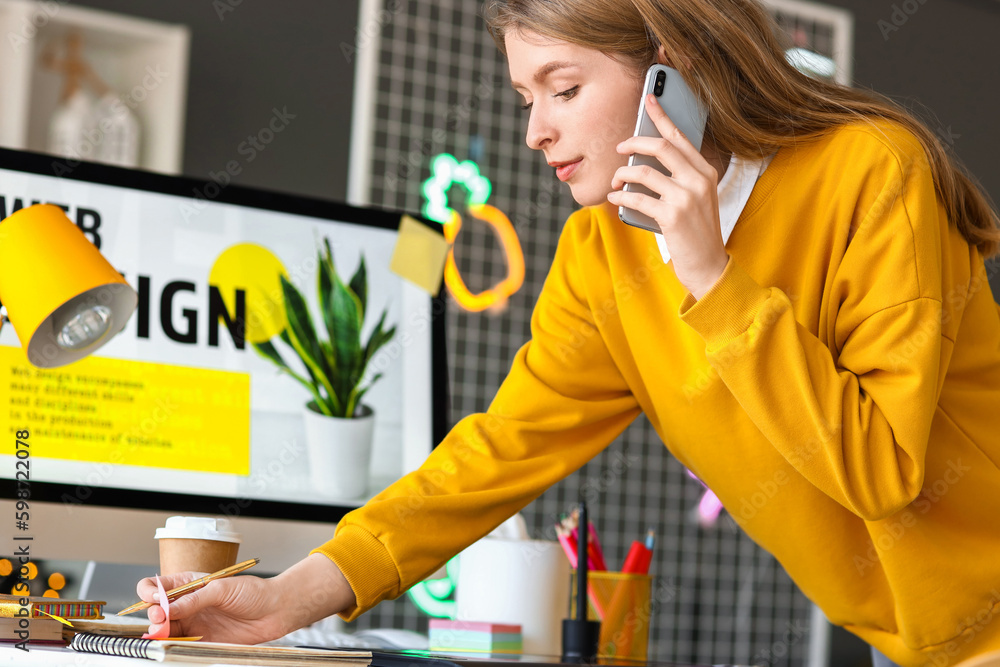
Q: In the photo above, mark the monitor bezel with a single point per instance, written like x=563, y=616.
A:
x=183, y=186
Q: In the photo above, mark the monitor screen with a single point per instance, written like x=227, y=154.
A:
x=181, y=411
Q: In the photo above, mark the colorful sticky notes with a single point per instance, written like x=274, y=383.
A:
x=474, y=636
x=420, y=255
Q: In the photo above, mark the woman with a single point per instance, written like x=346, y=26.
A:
x=821, y=349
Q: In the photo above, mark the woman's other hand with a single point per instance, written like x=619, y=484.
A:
x=249, y=610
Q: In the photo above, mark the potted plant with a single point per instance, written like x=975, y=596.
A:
x=339, y=425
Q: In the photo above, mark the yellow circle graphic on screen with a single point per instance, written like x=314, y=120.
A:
x=5, y=567
x=256, y=271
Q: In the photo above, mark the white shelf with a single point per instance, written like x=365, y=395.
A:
x=144, y=62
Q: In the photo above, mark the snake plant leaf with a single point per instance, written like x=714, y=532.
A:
x=377, y=339
x=375, y=378
x=325, y=277
x=335, y=368
x=268, y=351
x=358, y=393
x=345, y=335
x=352, y=403
x=287, y=340
x=375, y=334
x=302, y=335
x=338, y=397
x=331, y=406
x=343, y=314
x=359, y=285
x=326, y=254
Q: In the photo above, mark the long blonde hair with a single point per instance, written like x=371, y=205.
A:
x=757, y=101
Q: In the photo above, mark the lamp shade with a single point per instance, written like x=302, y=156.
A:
x=63, y=298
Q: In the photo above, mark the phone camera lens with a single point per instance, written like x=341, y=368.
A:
x=661, y=77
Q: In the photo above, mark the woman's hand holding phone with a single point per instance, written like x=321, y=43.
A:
x=687, y=210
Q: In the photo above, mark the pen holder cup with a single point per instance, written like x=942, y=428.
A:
x=621, y=602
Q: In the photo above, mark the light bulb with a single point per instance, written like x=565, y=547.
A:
x=85, y=328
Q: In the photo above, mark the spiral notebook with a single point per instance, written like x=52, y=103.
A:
x=216, y=652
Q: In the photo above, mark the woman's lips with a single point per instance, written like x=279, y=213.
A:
x=565, y=171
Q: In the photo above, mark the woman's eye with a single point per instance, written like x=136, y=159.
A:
x=568, y=94
x=565, y=94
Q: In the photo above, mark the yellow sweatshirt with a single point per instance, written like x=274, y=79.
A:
x=838, y=389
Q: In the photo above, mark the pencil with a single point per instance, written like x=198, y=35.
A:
x=192, y=586
x=595, y=556
x=568, y=544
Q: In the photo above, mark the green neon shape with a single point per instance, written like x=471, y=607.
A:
x=445, y=172
x=431, y=596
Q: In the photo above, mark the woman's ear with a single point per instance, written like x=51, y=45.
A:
x=661, y=57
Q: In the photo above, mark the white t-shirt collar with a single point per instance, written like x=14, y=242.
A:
x=734, y=192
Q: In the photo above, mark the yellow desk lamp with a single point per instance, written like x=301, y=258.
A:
x=63, y=298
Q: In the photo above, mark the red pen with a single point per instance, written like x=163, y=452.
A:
x=640, y=555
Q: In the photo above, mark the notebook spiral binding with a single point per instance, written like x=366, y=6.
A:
x=131, y=647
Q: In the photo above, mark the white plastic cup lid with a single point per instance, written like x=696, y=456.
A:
x=198, y=528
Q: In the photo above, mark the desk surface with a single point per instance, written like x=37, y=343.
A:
x=56, y=656
x=53, y=656
x=411, y=658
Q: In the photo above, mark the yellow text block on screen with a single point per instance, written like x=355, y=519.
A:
x=130, y=413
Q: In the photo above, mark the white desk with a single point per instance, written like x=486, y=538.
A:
x=63, y=657
x=54, y=656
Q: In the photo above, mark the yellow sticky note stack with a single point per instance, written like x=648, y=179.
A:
x=419, y=255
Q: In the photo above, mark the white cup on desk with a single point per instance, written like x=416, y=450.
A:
x=524, y=582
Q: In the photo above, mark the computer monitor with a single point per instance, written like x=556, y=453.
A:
x=179, y=414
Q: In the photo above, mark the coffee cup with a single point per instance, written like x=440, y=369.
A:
x=196, y=544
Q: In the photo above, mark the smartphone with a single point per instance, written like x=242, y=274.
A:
x=687, y=113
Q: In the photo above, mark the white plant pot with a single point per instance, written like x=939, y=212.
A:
x=340, y=453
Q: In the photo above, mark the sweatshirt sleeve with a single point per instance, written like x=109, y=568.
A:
x=852, y=416
x=563, y=401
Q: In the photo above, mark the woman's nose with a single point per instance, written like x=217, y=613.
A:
x=540, y=131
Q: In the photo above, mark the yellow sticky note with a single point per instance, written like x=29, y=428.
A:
x=419, y=255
